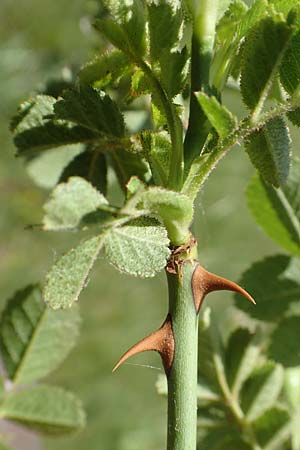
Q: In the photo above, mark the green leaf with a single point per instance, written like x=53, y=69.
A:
x=174, y=70
x=34, y=129
x=284, y=346
x=127, y=165
x=139, y=248
x=211, y=362
x=261, y=390
x=91, y=109
x=51, y=134
x=70, y=202
x=269, y=151
x=157, y=147
x=231, y=29
x=263, y=51
x=32, y=113
x=90, y=165
x=195, y=176
x=290, y=66
x=46, y=168
x=219, y=116
x=272, y=428
x=274, y=283
x=292, y=387
x=48, y=409
x=165, y=20
x=241, y=356
x=35, y=340
x=69, y=274
x=127, y=30
x=173, y=208
x=277, y=211
x=166, y=50
x=294, y=117
x=225, y=440
x=105, y=69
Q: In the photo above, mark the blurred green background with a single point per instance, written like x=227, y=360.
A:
x=39, y=39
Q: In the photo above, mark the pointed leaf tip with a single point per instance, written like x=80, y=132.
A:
x=204, y=282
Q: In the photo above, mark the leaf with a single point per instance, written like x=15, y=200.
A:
x=292, y=387
x=284, y=346
x=219, y=116
x=261, y=390
x=241, y=357
x=139, y=248
x=173, y=208
x=290, y=66
x=127, y=164
x=277, y=211
x=272, y=428
x=211, y=364
x=294, y=117
x=69, y=274
x=104, y=69
x=70, y=202
x=44, y=408
x=90, y=165
x=35, y=340
x=51, y=134
x=91, y=109
x=46, y=168
x=174, y=70
x=226, y=438
x=32, y=113
x=127, y=30
x=34, y=130
x=274, y=283
x=158, y=149
x=230, y=31
x=263, y=51
x=269, y=151
x=166, y=50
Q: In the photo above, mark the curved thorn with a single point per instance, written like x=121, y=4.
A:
x=161, y=341
x=204, y=282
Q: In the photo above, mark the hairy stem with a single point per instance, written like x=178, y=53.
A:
x=182, y=379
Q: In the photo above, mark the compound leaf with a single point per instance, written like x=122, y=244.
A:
x=68, y=276
x=70, y=202
x=139, y=248
x=277, y=211
x=48, y=409
x=274, y=283
x=269, y=151
x=35, y=340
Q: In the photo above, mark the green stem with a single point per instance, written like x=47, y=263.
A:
x=182, y=379
x=205, y=17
